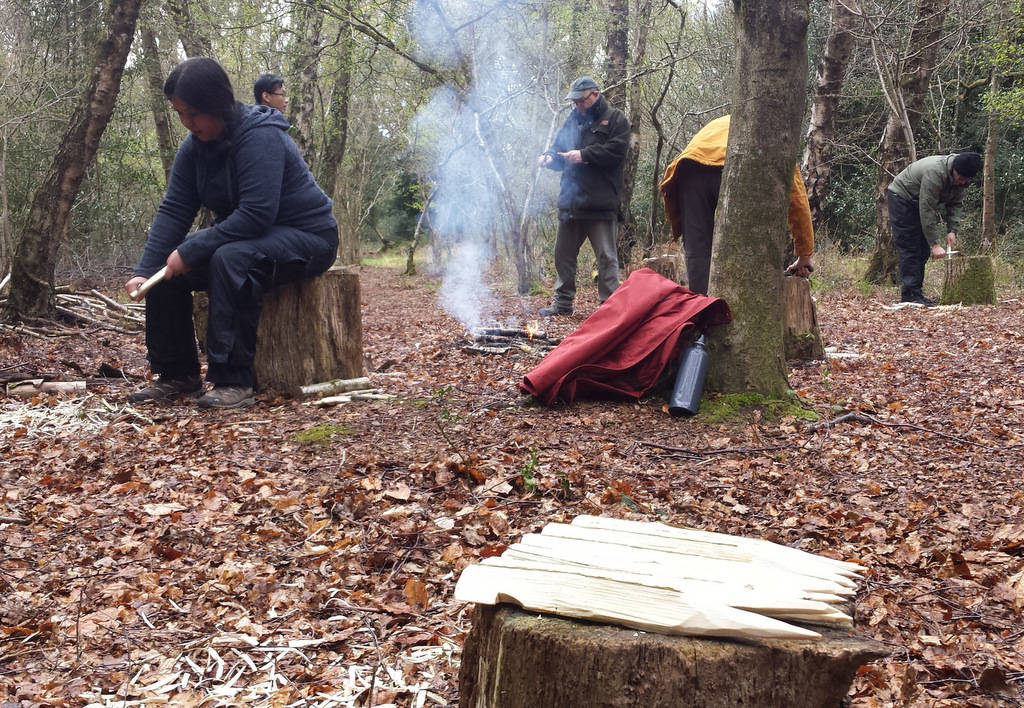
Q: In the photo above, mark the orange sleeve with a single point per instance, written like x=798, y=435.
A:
x=800, y=217
x=668, y=196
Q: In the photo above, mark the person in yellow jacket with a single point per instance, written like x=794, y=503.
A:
x=690, y=190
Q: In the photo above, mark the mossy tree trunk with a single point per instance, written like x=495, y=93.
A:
x=750, y=224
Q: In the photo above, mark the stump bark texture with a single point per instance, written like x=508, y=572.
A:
x=667, y=265
x=310, y=331
x=516, y=659
x=802, y=336
x=969, y=280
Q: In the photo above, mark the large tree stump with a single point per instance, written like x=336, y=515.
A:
x=969, y=281
x=309, y=331
x=800, y=319
x=516, y=659
x=666, y=265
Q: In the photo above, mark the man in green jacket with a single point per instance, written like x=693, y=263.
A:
x=589, y=150
x=926, y=193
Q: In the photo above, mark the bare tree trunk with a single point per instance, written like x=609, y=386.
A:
x=195, y=41
x=157, y=102
x=617, y=93
x=751, y=223
x=36, y=257
x=333, y=165
x=828, y=84
x=906, y=101
x=988, y=186
x=616, y=53
x=6, y=234
x=656, y=217
x=306, y=51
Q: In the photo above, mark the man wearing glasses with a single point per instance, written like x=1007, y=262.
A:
x=589, y=150
x=920, y=198
x=269, y=91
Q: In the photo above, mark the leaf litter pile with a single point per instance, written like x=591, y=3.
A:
x=289, y=554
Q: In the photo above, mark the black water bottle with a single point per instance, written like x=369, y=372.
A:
x=689, y=384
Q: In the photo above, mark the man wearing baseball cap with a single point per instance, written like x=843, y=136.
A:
x=925, y=194
x=589, y=150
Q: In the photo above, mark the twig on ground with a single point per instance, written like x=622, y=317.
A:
x=862, y=418
x=697, y=454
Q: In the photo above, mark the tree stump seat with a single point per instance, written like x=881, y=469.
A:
x=802, y=336
x=969, y=280
x=667, y=265
x=309, y=331
x=518, y=659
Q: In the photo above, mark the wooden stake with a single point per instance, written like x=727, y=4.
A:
x=138, y=292
x=602, y=600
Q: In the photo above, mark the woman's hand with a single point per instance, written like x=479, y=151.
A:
x=176, y=266
x=133, y=284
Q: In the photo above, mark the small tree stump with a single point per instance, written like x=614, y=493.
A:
x=800, y=319
x=666, y=265
x=516, y=659
x=969, y=281
x=309, y=331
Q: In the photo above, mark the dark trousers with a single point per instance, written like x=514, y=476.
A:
x=912, y=248
x=698, y=187
x=568, y=241
x=235, y=279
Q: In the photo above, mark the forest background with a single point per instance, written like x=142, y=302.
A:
x=424, y=119
x=332, y=537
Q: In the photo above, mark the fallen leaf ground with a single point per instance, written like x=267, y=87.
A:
x=294, y=555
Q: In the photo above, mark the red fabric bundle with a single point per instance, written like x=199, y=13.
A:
x=621, y=349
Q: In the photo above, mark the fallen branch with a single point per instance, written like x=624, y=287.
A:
x=862, y=418
x=697, y=454
x=337, y=386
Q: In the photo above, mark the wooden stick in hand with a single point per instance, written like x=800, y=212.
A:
x=138, y=292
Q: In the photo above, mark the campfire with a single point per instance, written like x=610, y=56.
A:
x=502, y=340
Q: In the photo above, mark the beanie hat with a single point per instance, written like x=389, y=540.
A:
x=967, y=164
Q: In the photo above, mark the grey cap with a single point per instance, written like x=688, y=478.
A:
x=580, y=88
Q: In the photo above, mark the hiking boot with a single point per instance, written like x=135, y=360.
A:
x=163, y=388
x=918, y=300
x=224, y=396
x=555, y=310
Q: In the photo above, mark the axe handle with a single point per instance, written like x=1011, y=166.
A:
x=153, y=280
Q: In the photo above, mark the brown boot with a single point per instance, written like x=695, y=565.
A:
x=164, y=388
x=223, y=396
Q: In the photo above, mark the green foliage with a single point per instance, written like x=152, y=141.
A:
x=393, y=217
x=526, y=474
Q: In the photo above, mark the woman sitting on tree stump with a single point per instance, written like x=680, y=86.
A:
x=273, y=225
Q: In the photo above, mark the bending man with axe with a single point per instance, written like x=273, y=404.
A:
x=273, y=225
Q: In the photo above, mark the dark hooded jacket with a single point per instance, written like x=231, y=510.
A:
x=251, y=180
x=592, y=189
